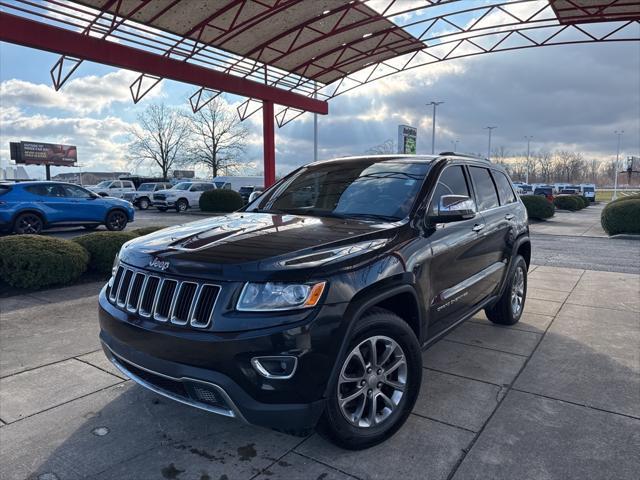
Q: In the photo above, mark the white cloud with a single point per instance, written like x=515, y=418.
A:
x=81, y=95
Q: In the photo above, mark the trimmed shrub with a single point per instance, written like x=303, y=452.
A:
x=220, y=201
x=585, y=202
x=567, y=202
x=146, y=230
x=621, y=217
x=538, y=206
x=635, y=196
x=102, y=248
x=34, y=261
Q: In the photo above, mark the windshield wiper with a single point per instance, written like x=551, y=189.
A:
x=370, y=216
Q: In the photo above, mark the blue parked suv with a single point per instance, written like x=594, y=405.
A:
x=29, y=207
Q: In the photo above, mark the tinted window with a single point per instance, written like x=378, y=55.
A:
x=47, y=190
x=357, y=188
x=76, y=192
x=504, y=188
x=486, y=195
x=4, y=189
x=451, y=182
x=116, y=185
x=127, y=184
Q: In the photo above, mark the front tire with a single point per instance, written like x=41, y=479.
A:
x=508, y=310
x=116, y=220
x=143, y=203
x=28, y=223
x=376, y=385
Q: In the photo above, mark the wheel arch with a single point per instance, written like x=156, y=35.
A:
x=29, y=210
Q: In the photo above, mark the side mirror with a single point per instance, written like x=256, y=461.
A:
x=254, y=195
x=454, y=208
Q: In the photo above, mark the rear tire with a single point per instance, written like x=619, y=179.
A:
x=508, y=310
x=28, y=224
x=371, y=396
x=116, y=220
x=182, y=205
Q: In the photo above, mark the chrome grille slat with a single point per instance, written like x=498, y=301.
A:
x=182, y=303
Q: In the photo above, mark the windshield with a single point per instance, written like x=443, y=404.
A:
x=182, y=186
x=245, y=190
x=104, y=184
x=588, y=189
x=357, y=188
x=146, y=187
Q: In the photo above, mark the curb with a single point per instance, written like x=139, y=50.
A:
x=626, y=236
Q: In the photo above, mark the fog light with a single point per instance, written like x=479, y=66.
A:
x=276, y=367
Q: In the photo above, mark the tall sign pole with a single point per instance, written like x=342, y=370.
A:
x=433, y=126
x=489, y=148
x=615, y=173
x=526, y=179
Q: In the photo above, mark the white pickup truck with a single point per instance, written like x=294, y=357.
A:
x=113, y=188
x=182, y=196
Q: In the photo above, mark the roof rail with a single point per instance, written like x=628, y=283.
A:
x=465, y=155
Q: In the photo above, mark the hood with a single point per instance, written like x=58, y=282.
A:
x=245, y=242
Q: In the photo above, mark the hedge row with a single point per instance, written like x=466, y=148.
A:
x=538, y=206
x=36, y=261
x=220, y=201
x=570, y=202
x=622, y=215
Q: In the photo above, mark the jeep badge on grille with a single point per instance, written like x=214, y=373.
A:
x=159, y=264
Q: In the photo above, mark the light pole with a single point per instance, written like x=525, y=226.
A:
x=489, y=149
x=315, y=127
x=526, y=178
x=455, y=145
x=615, y=172
x=433, y=126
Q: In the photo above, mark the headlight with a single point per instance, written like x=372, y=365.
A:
x=114, y=268
x=258, y=297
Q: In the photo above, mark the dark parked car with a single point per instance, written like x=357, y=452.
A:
x=30, y=207
x=546, y=191
x=142, y=197
x=312, y=306
x=245, y=192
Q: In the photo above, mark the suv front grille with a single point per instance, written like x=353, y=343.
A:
x=164, y=299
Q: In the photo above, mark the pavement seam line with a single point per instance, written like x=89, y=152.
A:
x=426, y=417
x=100, y=368
x=68, y=401
x=46, y=364
x=460, y=342
x=507, y=327
x=326, y=464
x=508, y=389
x=462, y=376
x=591, y=407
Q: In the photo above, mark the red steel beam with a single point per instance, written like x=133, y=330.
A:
x=21, y=31
x=268, y=135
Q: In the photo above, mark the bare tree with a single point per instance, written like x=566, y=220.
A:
x=217, y=137
x=159, y=137
x=545, y=161
x=386, y=147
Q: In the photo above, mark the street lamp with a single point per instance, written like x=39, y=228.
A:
x=489, y=149
x=433, y=126
x=455, y=145
x=528, y=138
x=615, y=173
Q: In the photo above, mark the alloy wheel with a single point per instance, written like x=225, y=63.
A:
x=372, y=381
x=517, y=291
x=29, y=224
x=117, y=221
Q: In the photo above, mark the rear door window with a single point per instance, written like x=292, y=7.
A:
x=505, y=192
x=486, y=194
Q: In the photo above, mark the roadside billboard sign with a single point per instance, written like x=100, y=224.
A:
x=407, y=139
x=38, y=153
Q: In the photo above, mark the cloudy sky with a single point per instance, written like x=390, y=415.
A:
x=566, y=97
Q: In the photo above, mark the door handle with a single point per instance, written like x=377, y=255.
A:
x=509, y=216
x=477, y=227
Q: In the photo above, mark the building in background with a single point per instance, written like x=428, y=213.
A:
x=88, y=178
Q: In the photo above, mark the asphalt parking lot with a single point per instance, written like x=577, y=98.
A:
x=553, y=397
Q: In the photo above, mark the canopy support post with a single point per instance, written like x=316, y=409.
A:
x=268, y=132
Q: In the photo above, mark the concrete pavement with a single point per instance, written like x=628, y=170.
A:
x=583, y=223
x=555, y=397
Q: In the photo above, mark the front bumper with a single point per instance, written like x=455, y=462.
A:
x=212, y=371
x=163, y=203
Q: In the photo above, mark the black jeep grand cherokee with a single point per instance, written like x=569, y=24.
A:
x=312, y=305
